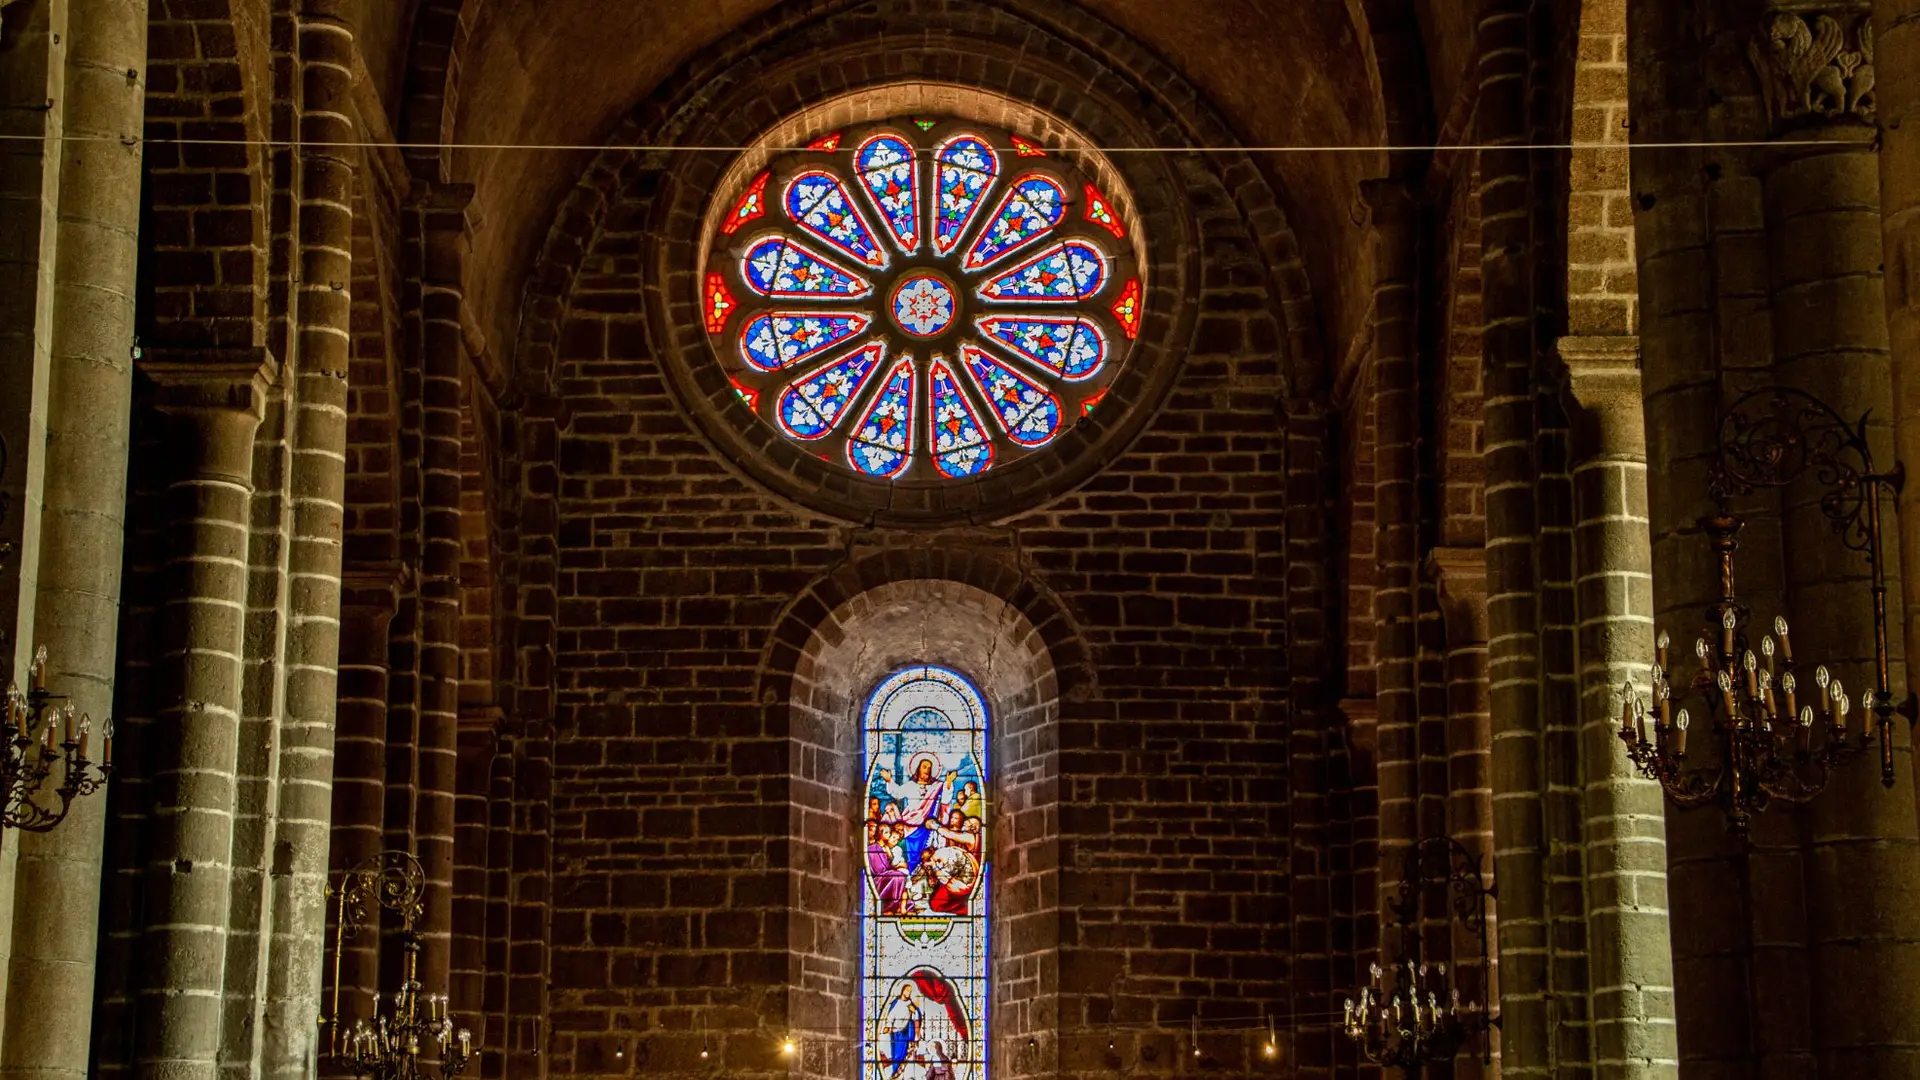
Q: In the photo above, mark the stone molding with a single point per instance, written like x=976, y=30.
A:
x=191, y=380
x=1603, y=378
x=1815, y=66
x=1461, y=576
x=371, y=592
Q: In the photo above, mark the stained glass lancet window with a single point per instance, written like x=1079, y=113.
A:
x=925, y=299
x=923, y=957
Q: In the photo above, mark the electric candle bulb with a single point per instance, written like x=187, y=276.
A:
x=1680, y=733
x=1766, y=646
x=1821, y=678
x=1786, y=643
x=1700, y=648
x=1662, y=641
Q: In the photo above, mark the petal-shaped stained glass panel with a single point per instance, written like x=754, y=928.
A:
x=750, y=205
x=717, y=303
x=1066, y=273
x=820, y=204
x=1100, y=212
x=782, y=269
x=1029, y=414
x=964, y=171
x=780, y=339
x=1030, y=211
x=886, y=167
x=1070, y=346
x=884, y=436
x=960, y=443
x=812, y=407
x=1127, y=309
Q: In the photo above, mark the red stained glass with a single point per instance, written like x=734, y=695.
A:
x=751, y=205
x=718, y=303
x=1127, y=309
x=1100, y=212
x=747, y=394
x=826, y=144
x=1086, y=407
x=1026, y=149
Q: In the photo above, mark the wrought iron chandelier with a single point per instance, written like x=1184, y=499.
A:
x=387, y=1044
x=1777, y=737
x=1413, y=1013
x=46, y=736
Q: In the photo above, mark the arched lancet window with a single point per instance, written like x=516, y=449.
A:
x=923, y=933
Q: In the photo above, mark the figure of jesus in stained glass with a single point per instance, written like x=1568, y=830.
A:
x=924, y=928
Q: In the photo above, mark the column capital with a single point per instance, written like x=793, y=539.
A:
x=371, y=587
x=216, y=398
x=1390, y=201
x=192, y=380
x=1603, y=378
x=1814, y=60
x=1461, y=576
x=1363, y=723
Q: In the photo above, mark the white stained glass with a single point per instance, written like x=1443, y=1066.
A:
x=923, y=952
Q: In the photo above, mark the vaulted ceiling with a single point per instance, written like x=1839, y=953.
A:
x=1283, y=74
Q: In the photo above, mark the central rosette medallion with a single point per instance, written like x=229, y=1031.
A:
x=923, y=304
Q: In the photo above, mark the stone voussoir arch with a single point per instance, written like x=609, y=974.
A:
x=728, y=96
x=811, y=611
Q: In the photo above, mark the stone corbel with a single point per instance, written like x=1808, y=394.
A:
x=218, y=398
x=1815, y=66
x=1363, y=723
x=1603, y=378
x=1460, y=573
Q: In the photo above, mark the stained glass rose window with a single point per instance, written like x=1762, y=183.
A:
x=925, y=299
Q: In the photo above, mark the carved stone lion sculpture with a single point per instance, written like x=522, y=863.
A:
x=1806, y=70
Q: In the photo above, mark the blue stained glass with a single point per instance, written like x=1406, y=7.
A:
x=923, y=977
x=1065, y=273
x=1030, y=415
x=784, y=338
x=781, y=268
x=884, y=436
x=813, y=406
x=960, y=446
x=964, y=173
x=818, y=203
x=886, y=168
x=1031, y=210
x=1072, y=348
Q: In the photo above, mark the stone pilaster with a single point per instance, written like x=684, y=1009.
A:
x=1861, y=844
x=1460, y=577
x=1513, y=605
x=1896, y=25
x=440, y=245
x=317, y=479
x=1396, y=222
x=215, y=404
x=369, y=595
x=1630, y=965
x=89, y=338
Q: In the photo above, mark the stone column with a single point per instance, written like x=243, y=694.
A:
x=441, y=251
x=1461, y=576
x=1896, y=25
x=93, y=250
x=317, y=479
x=1862, y=844
x=1396, y=388
x=369, y=596
x=215, y=404
x=1630, y=955
x=1513, y=606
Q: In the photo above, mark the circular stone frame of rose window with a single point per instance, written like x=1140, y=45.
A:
x=1155, y=247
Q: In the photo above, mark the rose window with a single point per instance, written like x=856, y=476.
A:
x=926, y=299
